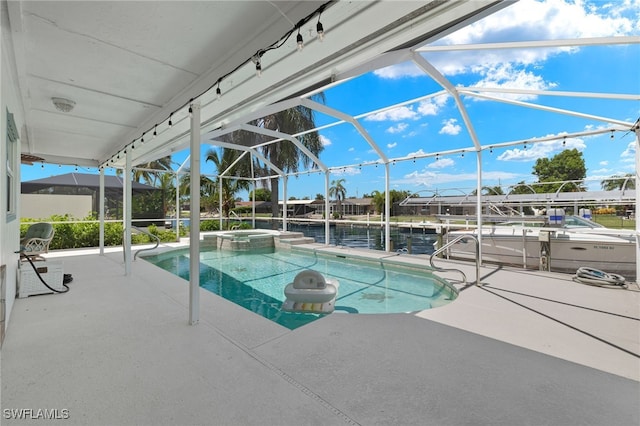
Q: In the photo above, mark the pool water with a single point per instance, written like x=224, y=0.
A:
x=256, y=280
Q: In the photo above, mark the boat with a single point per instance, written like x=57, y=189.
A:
x=555, y=242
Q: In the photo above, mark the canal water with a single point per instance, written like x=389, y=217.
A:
x=411, y=240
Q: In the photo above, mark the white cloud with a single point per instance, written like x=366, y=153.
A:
x=346, y=171
x=604, y=163
x=406, y=69
x=397, y=129
x=441, y=163
x=395, y=114
x=392, y=145
x=351, y=149
x=541, y=149
x=550, y=19
x=432, y=179
x=432, y=106
x=450, y=127
x=525, y=20
x=325, y=141
x=508, y=76
x=418, y=153
x=629, y=154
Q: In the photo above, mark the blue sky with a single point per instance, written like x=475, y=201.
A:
x=435, y=124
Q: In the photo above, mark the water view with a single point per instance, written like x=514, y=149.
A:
x=410, y=240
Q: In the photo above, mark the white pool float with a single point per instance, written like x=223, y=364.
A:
x=310, y=292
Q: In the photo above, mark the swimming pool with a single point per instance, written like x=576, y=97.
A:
x=256, y=280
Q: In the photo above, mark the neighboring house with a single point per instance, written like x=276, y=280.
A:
x=262, y=207
x=297, y=208
x=350, y=206
x=61, y=195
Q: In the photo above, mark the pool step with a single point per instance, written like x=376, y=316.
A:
x=288, y=239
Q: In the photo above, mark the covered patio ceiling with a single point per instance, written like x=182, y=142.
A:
x=127, y=69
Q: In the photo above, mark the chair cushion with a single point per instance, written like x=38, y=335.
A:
x=39, y=230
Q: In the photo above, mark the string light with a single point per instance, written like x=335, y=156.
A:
x=142, y=138
x=564, y=141
x=299, y=41
x=612, y=134
x=256, y=58
x=490, y=150
x=320, y=29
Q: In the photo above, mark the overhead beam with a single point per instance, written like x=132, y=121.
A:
x=587, y=41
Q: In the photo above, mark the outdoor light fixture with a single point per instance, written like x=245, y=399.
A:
x=320, y=30
x=256, y=60
x=63, y=105
x=299, y=41
x=66, y=105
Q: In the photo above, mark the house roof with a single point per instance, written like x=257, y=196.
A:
x=82, y=180
x=558, y=198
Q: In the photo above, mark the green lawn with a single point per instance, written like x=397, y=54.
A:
x=613, y=221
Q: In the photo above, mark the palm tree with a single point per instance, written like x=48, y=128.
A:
x=284, y=154
x=338, y=190
x=168, y=190
x=151, y=178
x=489, y=190
x=618, y=182
x=207, y=186
x=223, y=159
x=379, y=199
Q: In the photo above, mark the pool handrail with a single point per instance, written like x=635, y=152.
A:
x=143, y=232
x=452, y=242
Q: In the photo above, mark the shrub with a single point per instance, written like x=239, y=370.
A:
x=77, y=234
x=209, y=225
x=605, y=210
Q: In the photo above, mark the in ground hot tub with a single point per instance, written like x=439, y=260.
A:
x=247, y=239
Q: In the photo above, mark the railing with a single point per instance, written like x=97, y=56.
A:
x=452, y=242
x=144, y=249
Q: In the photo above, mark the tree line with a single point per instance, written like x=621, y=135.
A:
x=568, y=165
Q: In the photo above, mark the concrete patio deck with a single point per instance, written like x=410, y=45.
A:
x=528, y=348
